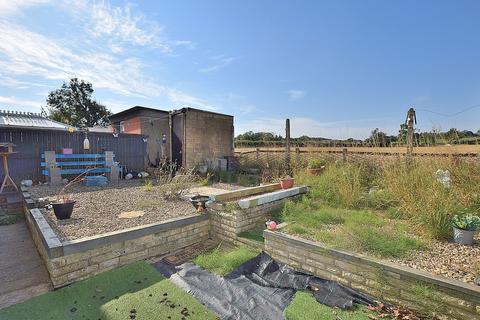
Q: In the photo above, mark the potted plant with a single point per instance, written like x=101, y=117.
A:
x=464, y=228
x=316, y=166
x=63, y=205
x=287, y=182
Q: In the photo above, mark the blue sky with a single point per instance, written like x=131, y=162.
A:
x=337, y=68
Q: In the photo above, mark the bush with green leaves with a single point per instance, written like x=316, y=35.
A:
x=467, y=222
x=316, y=164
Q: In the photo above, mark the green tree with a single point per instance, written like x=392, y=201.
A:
x=73, y=104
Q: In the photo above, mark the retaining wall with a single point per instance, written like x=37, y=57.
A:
x=71, y=261
x=421, y=291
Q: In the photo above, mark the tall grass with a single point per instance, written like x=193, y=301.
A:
x=409, y=191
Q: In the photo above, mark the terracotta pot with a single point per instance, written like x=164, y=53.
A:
x=286, y=183
x=315, y=171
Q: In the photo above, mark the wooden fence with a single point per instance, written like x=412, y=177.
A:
x=129, y=149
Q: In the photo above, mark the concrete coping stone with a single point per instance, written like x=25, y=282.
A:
x=52, y=243
x=466, y=288
x=88, y=243
x=245, y=192
x=271, y=197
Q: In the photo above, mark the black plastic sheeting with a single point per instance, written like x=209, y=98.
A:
x=261, y=288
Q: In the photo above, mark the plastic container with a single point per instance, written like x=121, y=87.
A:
x=95, y=181
x=67, y=151
x=463, y=236
x=63, y=210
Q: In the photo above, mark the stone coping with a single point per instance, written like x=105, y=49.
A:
x=56, y=248
x=420, y=275
x=245, y=192
x=271, y=197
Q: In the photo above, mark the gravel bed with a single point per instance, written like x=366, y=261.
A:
x=97, y=208
x=447, y=259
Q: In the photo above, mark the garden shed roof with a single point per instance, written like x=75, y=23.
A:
x=30, y=120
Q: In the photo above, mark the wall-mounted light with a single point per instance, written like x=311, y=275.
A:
x=86, y=142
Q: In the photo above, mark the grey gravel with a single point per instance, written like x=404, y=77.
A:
x=97, y=208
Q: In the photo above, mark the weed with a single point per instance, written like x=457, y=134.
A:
x=148, y=186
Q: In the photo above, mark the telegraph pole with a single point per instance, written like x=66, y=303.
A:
x=287, y=145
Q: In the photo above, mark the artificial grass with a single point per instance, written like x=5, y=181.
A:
x=304, y=306
x=223, y=262
x=136, y=291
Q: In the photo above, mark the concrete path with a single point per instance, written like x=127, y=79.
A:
x=22, y=272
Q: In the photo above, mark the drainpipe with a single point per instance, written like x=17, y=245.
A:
x=170, y=138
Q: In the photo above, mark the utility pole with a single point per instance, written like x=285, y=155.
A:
x=287, y=145
x=410, y=121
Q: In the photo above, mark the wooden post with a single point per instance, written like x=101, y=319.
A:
x=410, y=121
x=287, y=146
x=344, y=154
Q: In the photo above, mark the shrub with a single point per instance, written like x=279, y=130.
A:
x=466, y=222
x=316, y=163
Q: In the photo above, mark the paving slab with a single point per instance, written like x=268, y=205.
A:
x=22, y=272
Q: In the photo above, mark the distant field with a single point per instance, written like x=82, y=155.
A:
x=452, y=149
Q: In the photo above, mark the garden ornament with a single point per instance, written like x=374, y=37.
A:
x=443, y=177
x=271, y=225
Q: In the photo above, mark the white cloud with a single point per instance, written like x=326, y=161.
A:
x=5, y=102
x=13, y=7
x=218, y=62
x=313, y=128
x=296, y=94
x=26, y=53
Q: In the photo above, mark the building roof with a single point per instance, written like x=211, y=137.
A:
x=138, y=109
x=30, y=120
x=133, y=110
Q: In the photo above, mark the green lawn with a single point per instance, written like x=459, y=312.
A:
x=304, y=306
x=255, y=235
x=136, y=291
x=223, y=262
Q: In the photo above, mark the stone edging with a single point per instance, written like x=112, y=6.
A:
x=385, y=265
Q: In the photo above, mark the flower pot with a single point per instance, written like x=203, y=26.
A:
x=286, y=183
x=199, y=202
x=315, y=171
x=63, y=210
x=463, y=236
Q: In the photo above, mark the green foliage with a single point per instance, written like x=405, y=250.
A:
x=136, y=288
x=305, y=306
x=224, y=262
x=6, y=219
x=73, y=104
x=316, y=163
x=147, y=186
x=255, y=235
x=354, y=230
x=466, y=222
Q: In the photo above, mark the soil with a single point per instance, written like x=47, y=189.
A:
x=97, y=209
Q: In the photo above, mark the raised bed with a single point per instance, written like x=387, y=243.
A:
x=419, y=290
x=68, y=261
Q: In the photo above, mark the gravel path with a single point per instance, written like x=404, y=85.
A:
x=447, y=259
x=97, y=208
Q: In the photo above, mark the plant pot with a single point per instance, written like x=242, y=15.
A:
x=315, y=171
x=286, y=183
x=199, y=202
x=63, y=210
x=463, y=236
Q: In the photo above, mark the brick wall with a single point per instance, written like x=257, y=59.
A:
x=209, y=136
x=227, y=225
x=421, y=291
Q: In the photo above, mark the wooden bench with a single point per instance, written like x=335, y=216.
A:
x=56, y=165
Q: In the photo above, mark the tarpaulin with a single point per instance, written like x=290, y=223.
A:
x=259, y=289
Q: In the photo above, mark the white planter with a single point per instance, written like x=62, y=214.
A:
x=463, y=236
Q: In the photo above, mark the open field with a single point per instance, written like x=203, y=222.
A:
x=445, y=149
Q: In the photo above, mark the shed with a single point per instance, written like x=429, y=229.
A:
x=188, y=136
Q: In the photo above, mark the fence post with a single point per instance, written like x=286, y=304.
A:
x=287, y=146
x=411, y=119
x=344, y=154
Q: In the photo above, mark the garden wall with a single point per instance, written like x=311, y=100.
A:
x=71, y=261
x=418, y=290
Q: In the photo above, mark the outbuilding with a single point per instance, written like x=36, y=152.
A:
x=189, y=137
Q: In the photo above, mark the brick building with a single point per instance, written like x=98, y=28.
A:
x=190, y=137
